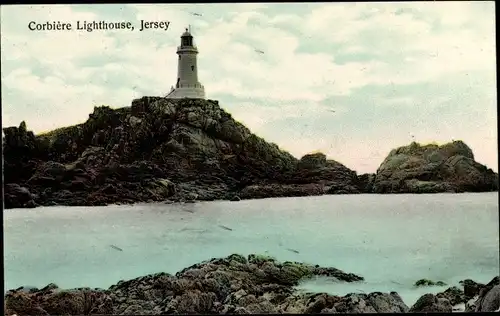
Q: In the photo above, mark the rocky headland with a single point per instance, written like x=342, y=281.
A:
x=239, y=285
x=187, y=150
x=432, y=169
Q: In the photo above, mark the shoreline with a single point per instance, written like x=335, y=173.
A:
x=238, y=284
x=182, y=201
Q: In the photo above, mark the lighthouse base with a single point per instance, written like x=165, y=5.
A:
x=190, y=93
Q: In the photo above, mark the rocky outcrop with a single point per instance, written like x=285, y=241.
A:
x=470, y=297
x=432, y=169
x=332, y=175
x=488, y=298
x=431, y=303
x=257, y=284
x=365, y=182
x=162, y=149
x=235, y=285
x=158, y=149
x=427, y=282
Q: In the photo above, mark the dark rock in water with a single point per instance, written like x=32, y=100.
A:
x=471, y=288
x=488, y=299
x=58, y=302
x=493, y=282
x=234, y=284
x=235, y=198
x=432, y=169
x=430, y=303
x=330, y=176
x=426, y=282
x=369, y=303
x=454, y=295
x=471, y=296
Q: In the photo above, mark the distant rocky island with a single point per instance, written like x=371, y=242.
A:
x=242, y=285
x=162, y=149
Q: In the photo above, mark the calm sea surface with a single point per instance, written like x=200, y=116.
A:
x=391, y=240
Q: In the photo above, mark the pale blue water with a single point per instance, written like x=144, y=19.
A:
x=391, y=240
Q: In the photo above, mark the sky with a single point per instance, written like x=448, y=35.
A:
x=352, y=80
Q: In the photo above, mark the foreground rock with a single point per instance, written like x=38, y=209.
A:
x=188, y=150
x=433, y=169
x=432, y=303
x=488, y=298
x=234, y=284
x=473, y=297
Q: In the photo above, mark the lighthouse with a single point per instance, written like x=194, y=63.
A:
x=187, y=84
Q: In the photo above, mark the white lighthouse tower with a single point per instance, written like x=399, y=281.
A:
x=187, y=85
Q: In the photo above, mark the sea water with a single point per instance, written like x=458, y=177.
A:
x=390, y=240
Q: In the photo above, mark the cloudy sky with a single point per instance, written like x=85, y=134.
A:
x=352, y=80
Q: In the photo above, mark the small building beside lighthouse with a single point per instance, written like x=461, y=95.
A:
x=187, y=84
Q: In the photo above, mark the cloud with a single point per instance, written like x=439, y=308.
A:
x=433, y=43
x=55, y=99
x=388, y=70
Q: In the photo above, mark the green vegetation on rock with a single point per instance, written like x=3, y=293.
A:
x=260, y=259
x=427, y=282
